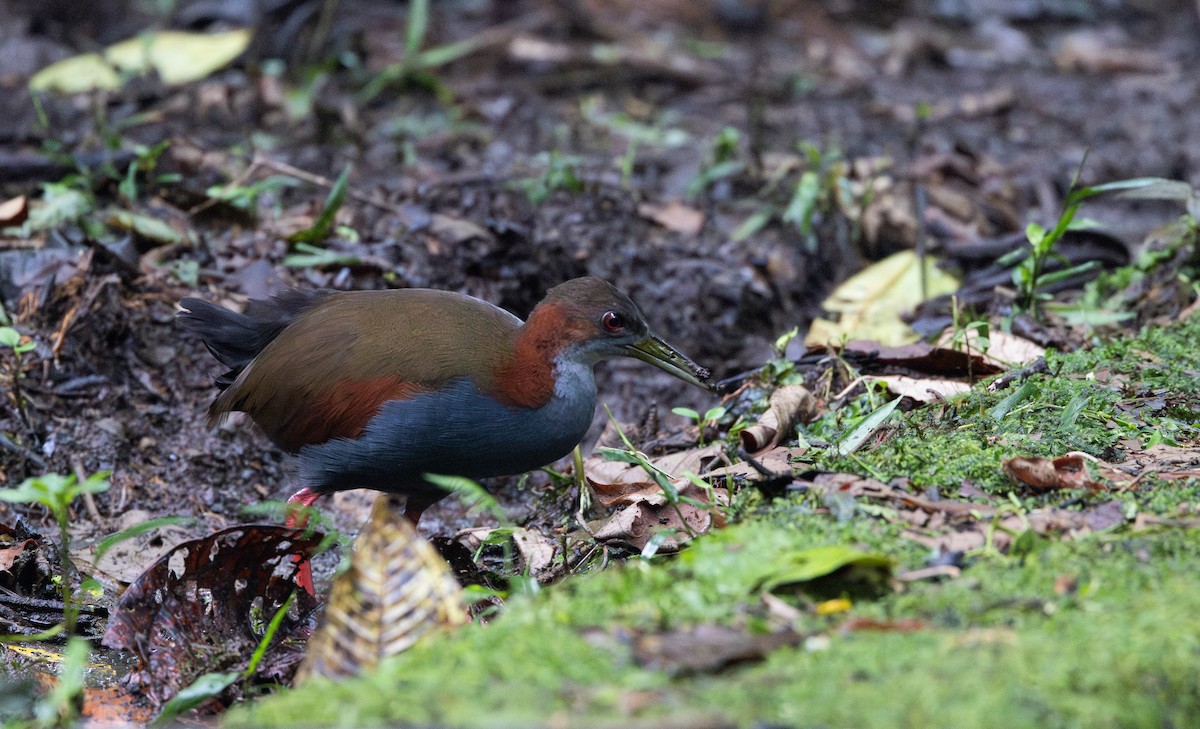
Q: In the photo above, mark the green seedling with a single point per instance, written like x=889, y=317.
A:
x=1030, y=275
x=56, y=492
x=819, y=190
x=710, y=417
x=10, y=339
x=145, y=164
x=310, y=256
x=658, y=135
x=60, y=706
x=246, y=197
x=418, y=63
x=321, y=227
x=722, y=163
x=559, y=173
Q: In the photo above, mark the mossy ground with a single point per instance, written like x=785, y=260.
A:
x=1097, y=630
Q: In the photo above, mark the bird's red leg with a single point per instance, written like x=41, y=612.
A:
x=295, y=519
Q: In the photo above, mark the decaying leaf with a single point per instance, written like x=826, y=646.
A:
x=9, y=555
x=203, y=606
x=1003, y=350
x=397, y=590
x=611, y=473
x=871, y=302
x=707, y=648
x=1046, y=474
x=177, y=57
x=787, y=406
x=674, y=216
x=649, y=515
x=924, y=390
x=536, y=550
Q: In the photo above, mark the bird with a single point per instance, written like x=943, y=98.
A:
x=376, y=389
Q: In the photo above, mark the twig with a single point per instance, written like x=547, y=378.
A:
x=88, y=500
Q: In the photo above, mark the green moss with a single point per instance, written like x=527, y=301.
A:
x=1094, y=633
x=1090, y=401
x=1094, y=630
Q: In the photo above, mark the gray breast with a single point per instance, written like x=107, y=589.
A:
x=456, y=431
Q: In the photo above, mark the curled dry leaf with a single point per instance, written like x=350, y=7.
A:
x=647, y=512
x=1045, y=474
x=607, y=474
x=398, y=590
x=674, y=216
x=9, y=555
x=1004, y=350
x=788, y=406
x=922, y=390
x=536, y=550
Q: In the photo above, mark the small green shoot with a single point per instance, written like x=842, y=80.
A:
x=310, y=256
x=322, y=226
x=472, y=494
x=636, y=134
x=246, y=197
x=416, y=64
x=710, y=417
x=865, y=429
x=60, y=706
x=559, y=173
x=56, y=492
x=722, y=163
x=1030, y=275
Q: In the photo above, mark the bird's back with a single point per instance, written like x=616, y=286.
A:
x=326, y=373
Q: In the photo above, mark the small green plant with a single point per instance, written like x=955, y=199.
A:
x=559, y=173
x=710, y=417
x=967, y=336
x=819, y=190
x=722, y=163
x=1030, y=276
x=245, y=197
x=145, y=163
x=659, y=135
x=321, y=227
x=56, y=492
x=59, y=707
x=418, y=62
x=10, y=339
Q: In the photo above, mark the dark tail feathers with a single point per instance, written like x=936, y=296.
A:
x=236, y=339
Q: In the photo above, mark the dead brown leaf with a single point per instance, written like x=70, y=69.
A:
x=398, y=590
x=1046, y=474
x=14, y=211
x=787, y=406
x=674, y=216
x=9, y=555
x=647, y=513
x=191, y=611
x=707, y=648
x=923, y=391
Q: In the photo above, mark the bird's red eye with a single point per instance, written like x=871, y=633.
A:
x=612, y=322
